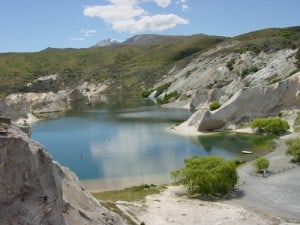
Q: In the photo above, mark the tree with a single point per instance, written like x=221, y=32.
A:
x=270, y=125
x=207, y=175
x=214, y=105
x=293, y=148
x=261, y=164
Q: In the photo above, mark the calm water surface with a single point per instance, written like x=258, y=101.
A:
x=130, y=138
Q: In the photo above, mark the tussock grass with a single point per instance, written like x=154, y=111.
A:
x=131, y=194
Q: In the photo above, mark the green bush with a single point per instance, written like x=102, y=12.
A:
x=230, y=64
x=161, y=89
x=261, y=163
x=214, y=105
x=293, y=148
x=211, y=175
x=298, y=58
x=270, y=125
x=246, y=71
x=168, y=97
x=146, y=93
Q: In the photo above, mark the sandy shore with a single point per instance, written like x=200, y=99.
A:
x=174, y=207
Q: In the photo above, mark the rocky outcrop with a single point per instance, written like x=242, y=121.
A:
x=36, y=190
x=25, y=108
x=220, y=72
x=254, y=102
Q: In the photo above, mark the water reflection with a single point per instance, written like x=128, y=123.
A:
x=130, y=142
x=138, y=149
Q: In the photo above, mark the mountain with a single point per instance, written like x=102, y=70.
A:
x=107, y=42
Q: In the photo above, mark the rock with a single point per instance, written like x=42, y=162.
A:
x=36, y=190
x=249, y=103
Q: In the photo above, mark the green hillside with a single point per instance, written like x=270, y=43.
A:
x=131, y=67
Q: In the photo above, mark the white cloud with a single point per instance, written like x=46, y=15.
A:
x=129, y=16
x=88, y=33
x=85, y=34
x=77, y=39
x=185, y=7
x=163, y=3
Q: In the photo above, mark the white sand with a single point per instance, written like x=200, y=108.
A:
x=172, y=206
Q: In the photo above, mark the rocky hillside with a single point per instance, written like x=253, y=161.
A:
x=36, y=190
x=249, y=75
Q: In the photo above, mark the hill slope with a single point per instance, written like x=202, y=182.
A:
x=126, y=68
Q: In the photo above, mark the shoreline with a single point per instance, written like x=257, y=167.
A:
x=272, y=200
x=112, y=184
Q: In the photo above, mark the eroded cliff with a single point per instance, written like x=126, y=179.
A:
x=36, y=190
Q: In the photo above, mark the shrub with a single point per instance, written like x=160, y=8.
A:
x=261, y=163
x=146, y=93
x=298, y=58
x=161, y=89
x=293, y=149
x=270, y=125
x=246, y=71
x=230, y=64
x=214, y=105
x=168, y=97
x=211, y=175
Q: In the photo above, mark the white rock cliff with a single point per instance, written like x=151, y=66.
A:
x=36, y=190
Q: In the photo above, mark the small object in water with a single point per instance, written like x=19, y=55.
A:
x=246, y=152
x=81, y=156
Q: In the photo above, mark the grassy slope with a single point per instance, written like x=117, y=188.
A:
x=132, y=66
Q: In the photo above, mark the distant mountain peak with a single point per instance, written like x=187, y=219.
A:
x=107, y=42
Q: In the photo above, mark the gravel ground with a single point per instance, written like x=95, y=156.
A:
x=278, y=194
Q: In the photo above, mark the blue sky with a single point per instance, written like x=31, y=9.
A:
x=33, y=25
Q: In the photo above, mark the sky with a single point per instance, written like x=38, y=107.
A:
x=33, y=25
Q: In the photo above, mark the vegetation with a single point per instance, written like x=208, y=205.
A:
x=129, y=68
x=268, y=40
x=270, y=125
x=246, y=71
x=214, y=105
x=161, y=89
x=146, y=93
x=131, y=194
x=210, y=175
x=273, y=79
x=261, y=164
x=297, y=123
x=230, y=64
x=169, y=97
x=293, y=148
x=298, y=58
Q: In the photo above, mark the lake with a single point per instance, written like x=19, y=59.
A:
x=129, y=138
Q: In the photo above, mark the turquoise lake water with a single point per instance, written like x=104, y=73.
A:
x=129, y=138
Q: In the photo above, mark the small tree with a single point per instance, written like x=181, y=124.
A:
x=214, y=105
x=207, y=175
x=261, y=164
x=270, y=125
x=293, y=148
